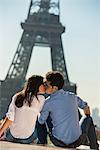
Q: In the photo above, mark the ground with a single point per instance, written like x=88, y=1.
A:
x=13, y=146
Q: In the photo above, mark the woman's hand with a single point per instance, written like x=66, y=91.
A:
x=5, y=126
x=1, y=136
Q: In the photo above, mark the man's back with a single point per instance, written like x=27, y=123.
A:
x=63, y=110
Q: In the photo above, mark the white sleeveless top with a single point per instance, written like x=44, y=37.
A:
x=24, y=118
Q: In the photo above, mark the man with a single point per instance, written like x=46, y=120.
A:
x=60, y=111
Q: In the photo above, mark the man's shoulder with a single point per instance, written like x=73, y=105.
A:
x=69, y=93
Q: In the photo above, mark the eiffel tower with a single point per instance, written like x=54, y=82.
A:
x=41, y=28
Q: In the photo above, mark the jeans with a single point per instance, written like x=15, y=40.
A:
x=88, y=128
x=88, y=132
x=28, y=140
x=43, y=130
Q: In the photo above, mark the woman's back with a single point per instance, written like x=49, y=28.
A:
x=20, y=121
x=24, y=117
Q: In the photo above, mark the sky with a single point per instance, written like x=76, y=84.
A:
x=81, y=43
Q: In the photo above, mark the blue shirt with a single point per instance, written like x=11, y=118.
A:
x=63, y=109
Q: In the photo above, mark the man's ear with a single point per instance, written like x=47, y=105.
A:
x=55, y=88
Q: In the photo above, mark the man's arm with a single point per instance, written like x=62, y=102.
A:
x=83, y=105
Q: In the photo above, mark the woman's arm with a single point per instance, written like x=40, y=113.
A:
x=5, y=126
x=9, y=116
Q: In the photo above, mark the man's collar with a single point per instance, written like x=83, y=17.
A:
x=56, y=92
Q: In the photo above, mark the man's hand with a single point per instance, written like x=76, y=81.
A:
x=87, y=110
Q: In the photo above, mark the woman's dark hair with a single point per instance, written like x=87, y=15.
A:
x=31, y=89
x=55, y=78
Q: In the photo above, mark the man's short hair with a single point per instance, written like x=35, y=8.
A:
x=55, y=78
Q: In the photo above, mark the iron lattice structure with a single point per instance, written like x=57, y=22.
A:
x=42, y=28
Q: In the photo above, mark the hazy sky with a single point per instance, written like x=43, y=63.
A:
x=81, y=43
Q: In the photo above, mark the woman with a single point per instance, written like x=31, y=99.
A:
x=23, y=112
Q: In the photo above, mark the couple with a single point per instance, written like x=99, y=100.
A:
x=29, y=111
